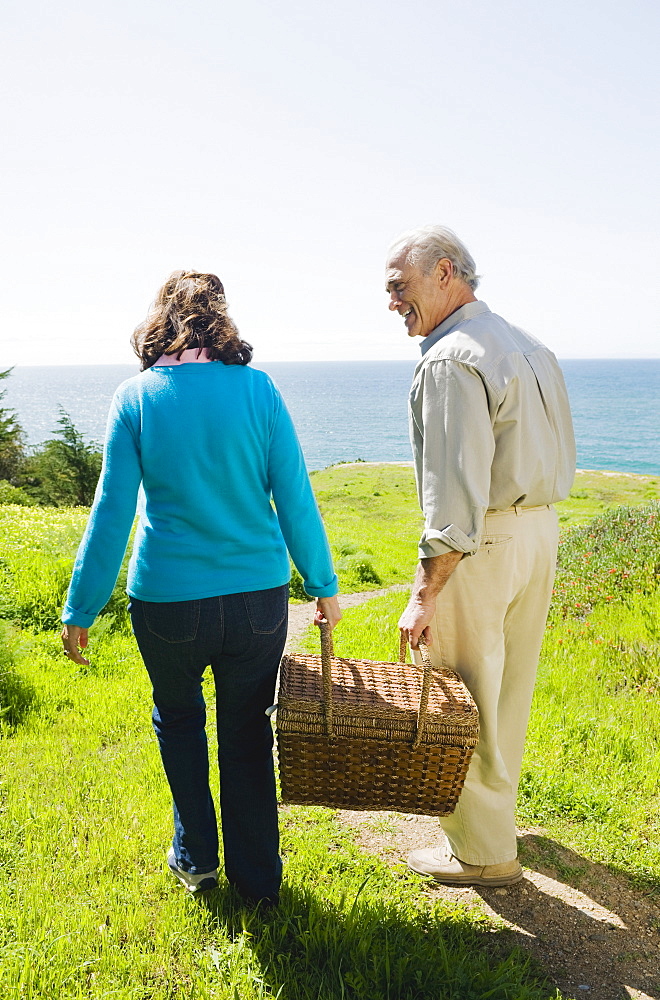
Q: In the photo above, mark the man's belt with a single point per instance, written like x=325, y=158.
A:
x=517, y=509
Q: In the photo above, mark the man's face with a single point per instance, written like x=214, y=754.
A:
x=420, y=298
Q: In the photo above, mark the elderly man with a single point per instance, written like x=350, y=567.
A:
x=493, y=449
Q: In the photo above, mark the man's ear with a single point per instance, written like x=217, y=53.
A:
x=444, y=271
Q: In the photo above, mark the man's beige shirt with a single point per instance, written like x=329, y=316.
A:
x=490, y=426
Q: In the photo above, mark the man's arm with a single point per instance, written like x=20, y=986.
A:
x=453, y=446
x=432, y=574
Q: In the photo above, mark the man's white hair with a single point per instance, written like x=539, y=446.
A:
x=425, y=246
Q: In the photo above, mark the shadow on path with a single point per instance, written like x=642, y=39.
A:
x=603, y=933
x=594, y=932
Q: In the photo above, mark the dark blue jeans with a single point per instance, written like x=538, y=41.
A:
x=241, y=636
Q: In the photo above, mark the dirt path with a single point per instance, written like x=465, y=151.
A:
x=594, y=933
x=301, y=615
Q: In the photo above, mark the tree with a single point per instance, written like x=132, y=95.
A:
x=12, y=452
x=65, y=470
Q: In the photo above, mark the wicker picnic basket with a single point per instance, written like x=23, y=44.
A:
x=359, y=734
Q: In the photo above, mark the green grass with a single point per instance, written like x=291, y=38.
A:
x=373, y=519
x=591, y=774
x=371, y=513
x=594, y=492
x=373, y=522
x=87, y=908
x=37, y=550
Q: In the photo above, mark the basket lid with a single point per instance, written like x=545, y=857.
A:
x=370, y=687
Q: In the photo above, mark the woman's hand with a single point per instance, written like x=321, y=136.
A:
x=327, y=610
x=74, y=639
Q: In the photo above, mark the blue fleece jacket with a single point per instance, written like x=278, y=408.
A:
x=201, y=449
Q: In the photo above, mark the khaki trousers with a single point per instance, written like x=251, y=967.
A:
x=488, y=626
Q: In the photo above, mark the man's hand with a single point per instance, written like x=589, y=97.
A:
x=74, y=639
x=327, y=610
x=432, y=574
x=414, y=621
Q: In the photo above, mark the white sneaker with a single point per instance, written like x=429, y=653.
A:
x=193, y=883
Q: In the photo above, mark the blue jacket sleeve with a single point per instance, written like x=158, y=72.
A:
x=296, y=507
x=109, y=526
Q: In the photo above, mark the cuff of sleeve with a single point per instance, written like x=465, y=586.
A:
x=329, y=590
x=72, y=617
x=450, y=539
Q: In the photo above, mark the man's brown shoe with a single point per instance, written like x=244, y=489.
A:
x=449, y=870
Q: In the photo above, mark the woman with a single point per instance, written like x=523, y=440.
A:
x=202, y=442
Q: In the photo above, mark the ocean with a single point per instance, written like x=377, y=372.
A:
x=345, y=410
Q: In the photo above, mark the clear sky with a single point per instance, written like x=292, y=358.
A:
x=284, y=145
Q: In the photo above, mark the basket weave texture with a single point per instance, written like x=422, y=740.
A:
x=364, y=734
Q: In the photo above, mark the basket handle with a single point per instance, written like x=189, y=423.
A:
x=327, y=652
x=427, y=668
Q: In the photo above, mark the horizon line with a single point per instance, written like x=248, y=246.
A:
x=302, y=361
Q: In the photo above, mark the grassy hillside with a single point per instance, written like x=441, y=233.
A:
x=370, y=510
x=374, y=522
x=594, y=492
x=87, y=909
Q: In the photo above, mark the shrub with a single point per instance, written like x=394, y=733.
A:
x=365, y=572
x=16, y=696
x=12, y=453
x=346, y=548
x=356, y=567
x=615, y=557
x=65, y=470
x=14, y=494
x=297, y=590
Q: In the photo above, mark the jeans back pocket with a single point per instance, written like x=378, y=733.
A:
x=267, y=609
x=172, y=621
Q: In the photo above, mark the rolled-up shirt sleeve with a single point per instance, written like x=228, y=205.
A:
x=453, y=446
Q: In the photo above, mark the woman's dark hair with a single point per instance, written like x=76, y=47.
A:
x=190, y=310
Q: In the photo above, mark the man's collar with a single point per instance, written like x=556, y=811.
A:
x=467, y=311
